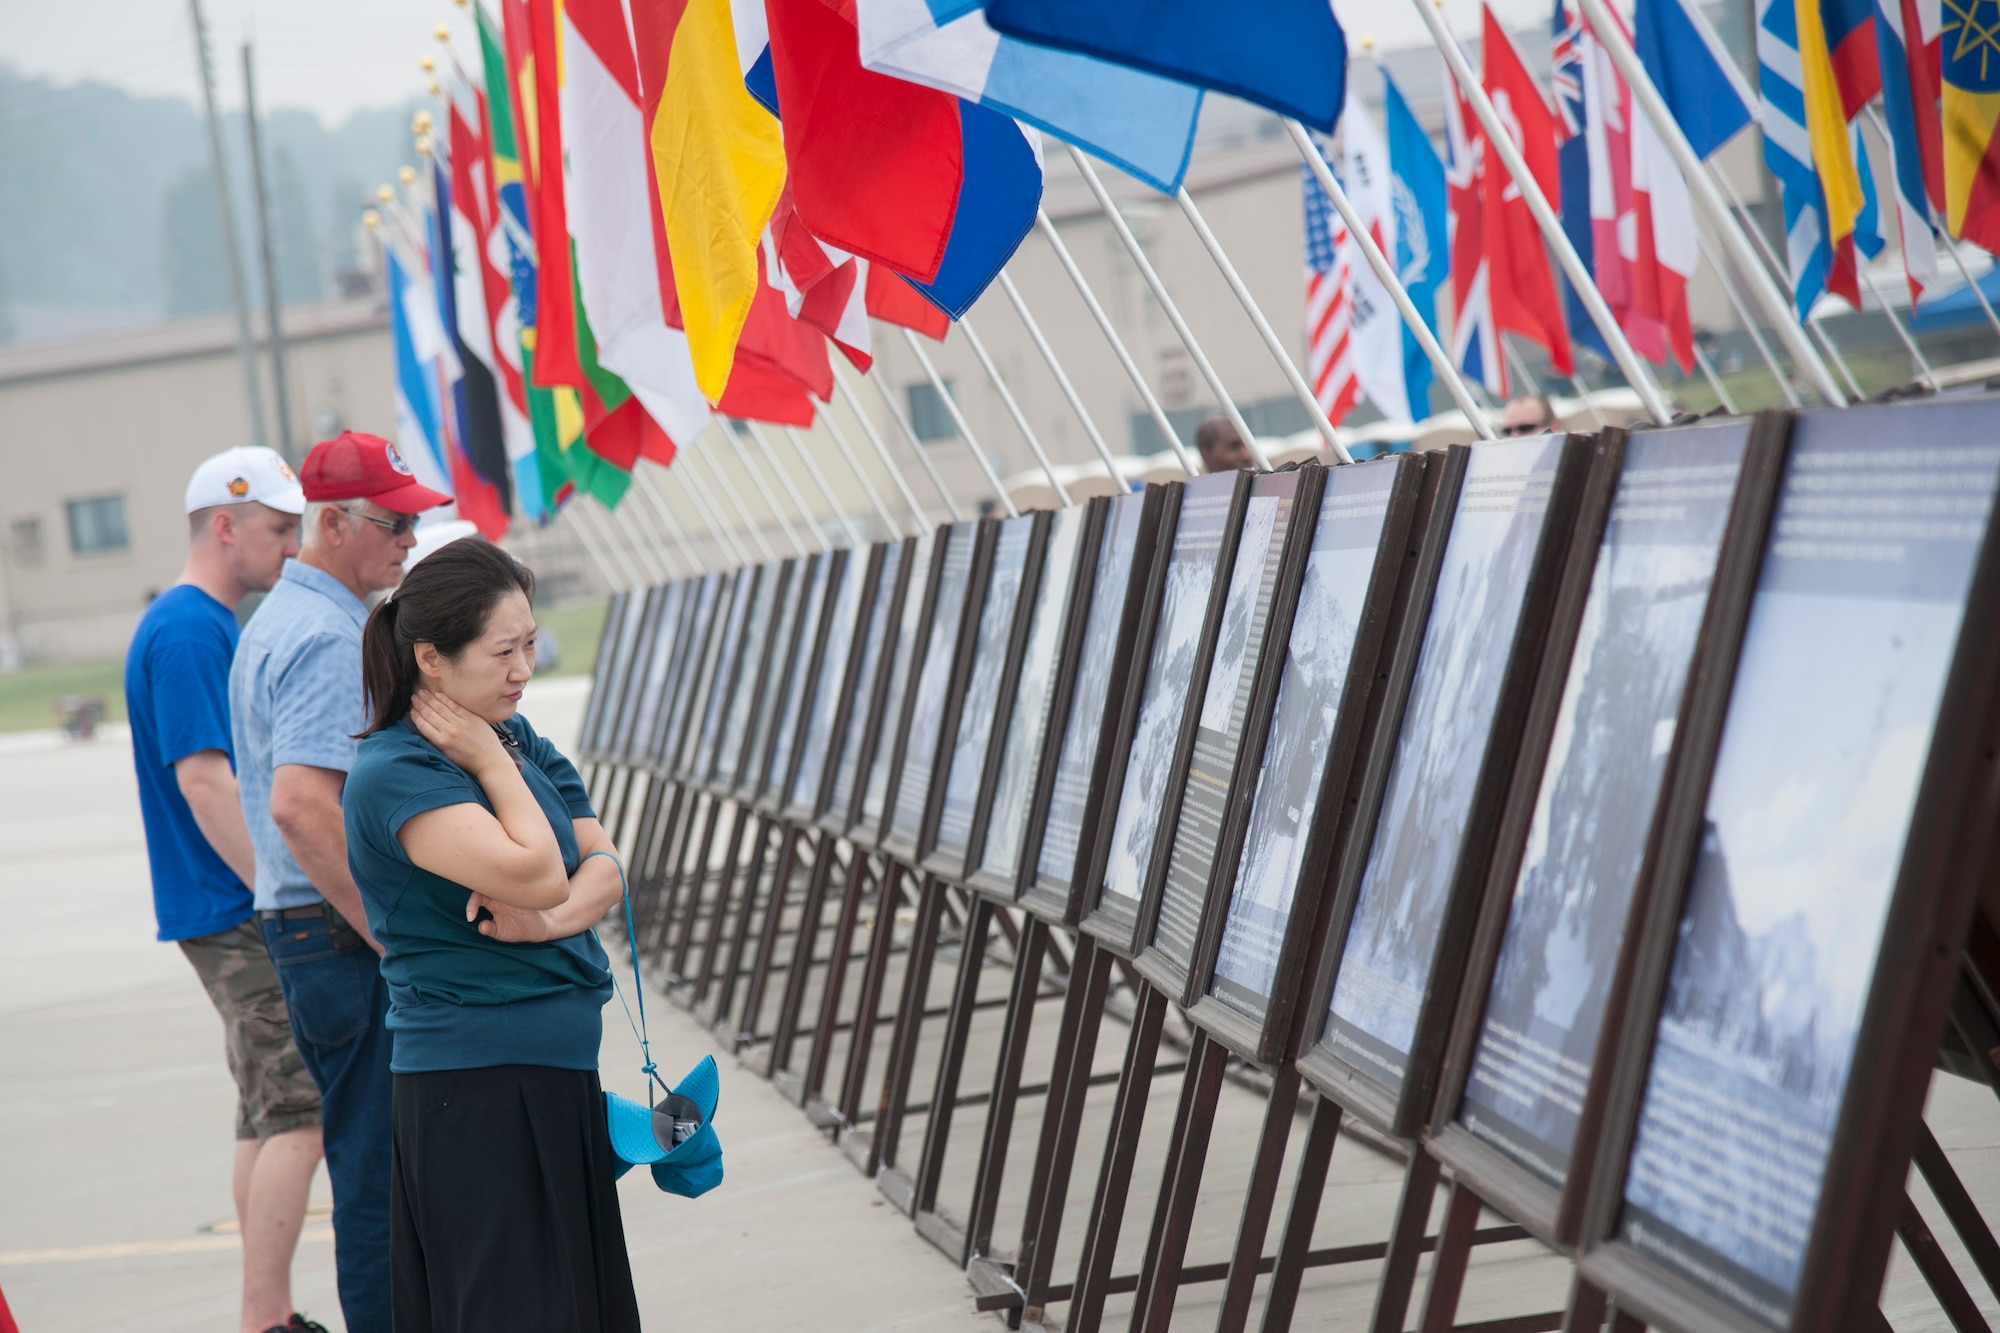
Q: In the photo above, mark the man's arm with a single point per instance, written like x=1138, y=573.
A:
x=305, y=805
x=209, y=784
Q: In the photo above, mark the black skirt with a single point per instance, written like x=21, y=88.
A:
x=505, y=1213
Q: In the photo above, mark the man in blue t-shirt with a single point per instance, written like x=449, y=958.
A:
x=243, y=509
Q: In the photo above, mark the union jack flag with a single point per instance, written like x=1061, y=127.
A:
x=1567, y=75
x=1330, y=254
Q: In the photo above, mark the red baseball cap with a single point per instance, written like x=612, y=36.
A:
x=356, y=466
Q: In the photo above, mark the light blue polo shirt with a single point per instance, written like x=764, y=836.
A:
x=294, y=698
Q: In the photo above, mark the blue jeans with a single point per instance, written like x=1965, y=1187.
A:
x=339, y=1006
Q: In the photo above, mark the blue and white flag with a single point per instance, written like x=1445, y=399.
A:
x=1135, y=120
x=418, y=337
x=1397, y=186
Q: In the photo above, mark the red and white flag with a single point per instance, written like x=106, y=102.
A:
x=1523, y=287
x=824, y=287
x=1330, y=262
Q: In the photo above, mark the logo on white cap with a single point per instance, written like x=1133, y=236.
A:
x=396, y=459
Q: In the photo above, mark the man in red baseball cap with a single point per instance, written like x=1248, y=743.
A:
x=295, y=705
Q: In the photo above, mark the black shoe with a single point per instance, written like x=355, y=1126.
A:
x=298, y=1323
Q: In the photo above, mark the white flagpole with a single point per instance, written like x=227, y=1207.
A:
x=630, y=572
x=806, y=515
x=697, y=492
x=616, y=581
x=1300, y=389
x=669, y=524
x=964, y=427
x=1110, y=332
x=888, y=397
x=1635, y=370
x=713, y=536
x=854, y=465
x=645, y=547
x=1173, y=311
x=1062, y=379
x=729, y=493
x=882, y=452
x=784, y=520
x=1385, y=273
x=1014, y=409
x=1924, y=370
x=819, y=480
x=1611, y=37
x=1744, y=314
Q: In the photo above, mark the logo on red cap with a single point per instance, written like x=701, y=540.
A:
x=395, y=459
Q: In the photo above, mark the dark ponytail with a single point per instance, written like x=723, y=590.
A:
x=444, y=600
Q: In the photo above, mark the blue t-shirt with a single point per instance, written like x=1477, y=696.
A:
x=177, y=697
x=457, y=999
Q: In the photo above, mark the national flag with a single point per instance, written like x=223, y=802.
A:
x=472, y=408
x=1376, y=351
x=417, y=338
x=874, y=162
x=1970, y=100
x=1287, y=55
x=1329, y=301
x=824, y=288
x=1475, y=342
x=1665, y=248
x=610, y=212
x=1698, y=82
x=529, y=413
x=781, y=363
x=533, y=62
x=894, y=301
x=1788, y=151
x=483, y=257
x=1423, y=250
x=718, y=164
x=1583, y=164
x=1849, y=26
x=997, y=204
x=1907, y=43
x=1830, y=136
x=1134, y=120
x=1522, y=291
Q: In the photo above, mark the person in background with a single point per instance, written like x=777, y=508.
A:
x=1222, y=449
x=484, y=867
x=1528, y=414
x=243, y=510
x=296, y=705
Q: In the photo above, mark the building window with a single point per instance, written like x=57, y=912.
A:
x=25, y=537
x=97, y=527
x=929, y=417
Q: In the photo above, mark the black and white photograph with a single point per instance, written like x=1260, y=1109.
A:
x=1232, y=674
x=1391, y=941
x=749, y=659
x=686, y=684
x=723, y=687
x=832, y=682
x=1056, y=861
x=933, y=681
x=982, y=691
x=699, y=689
x=618, y=653
x=1599, y=789
x=875, y=638
x=1028, y=718
x=773, y=691
x=1850, y=637
x=1324, y=628
x=874, y=798
x=649, y=659
x=811, y=612
x=1170, y=668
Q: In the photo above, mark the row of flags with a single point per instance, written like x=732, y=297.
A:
x=641, y=213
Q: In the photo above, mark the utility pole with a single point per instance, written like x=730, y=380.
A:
x=245, y=348
x=267, y=256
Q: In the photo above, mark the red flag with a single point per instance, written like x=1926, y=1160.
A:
x=531, y=65
x=875, y=163
x=823, y=287
x=894, y=301
x=1523, y=289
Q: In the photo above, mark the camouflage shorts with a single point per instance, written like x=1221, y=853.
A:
x=274, y=1093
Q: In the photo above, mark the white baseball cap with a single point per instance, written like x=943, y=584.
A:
x=246, y=473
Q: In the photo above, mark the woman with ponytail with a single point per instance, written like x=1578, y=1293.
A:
x=483, y=868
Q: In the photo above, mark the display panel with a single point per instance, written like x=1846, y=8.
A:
x=594, y=708
x=920, y=742
x=700, y=686
x=1830, y=722
x=1224, y=710
x=757, y=639
x=778, y=661
x=874, y=798
x=833, y=685
x=1599, y=789
x=723, y=680
x=982, y=691
x=618, y=718
x=1028, y=716
x=1391, y=943
x=685, y=682
x=1055, y=861
x=875, y=641
x=1285, y=788
x=798, y=675
x=1163, y=698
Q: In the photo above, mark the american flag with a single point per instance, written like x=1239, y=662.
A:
x=1330, y=254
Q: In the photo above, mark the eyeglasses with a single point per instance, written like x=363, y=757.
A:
x=1525, y=428
x=395, y=528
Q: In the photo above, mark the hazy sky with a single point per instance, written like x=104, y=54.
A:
x=331, y=56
